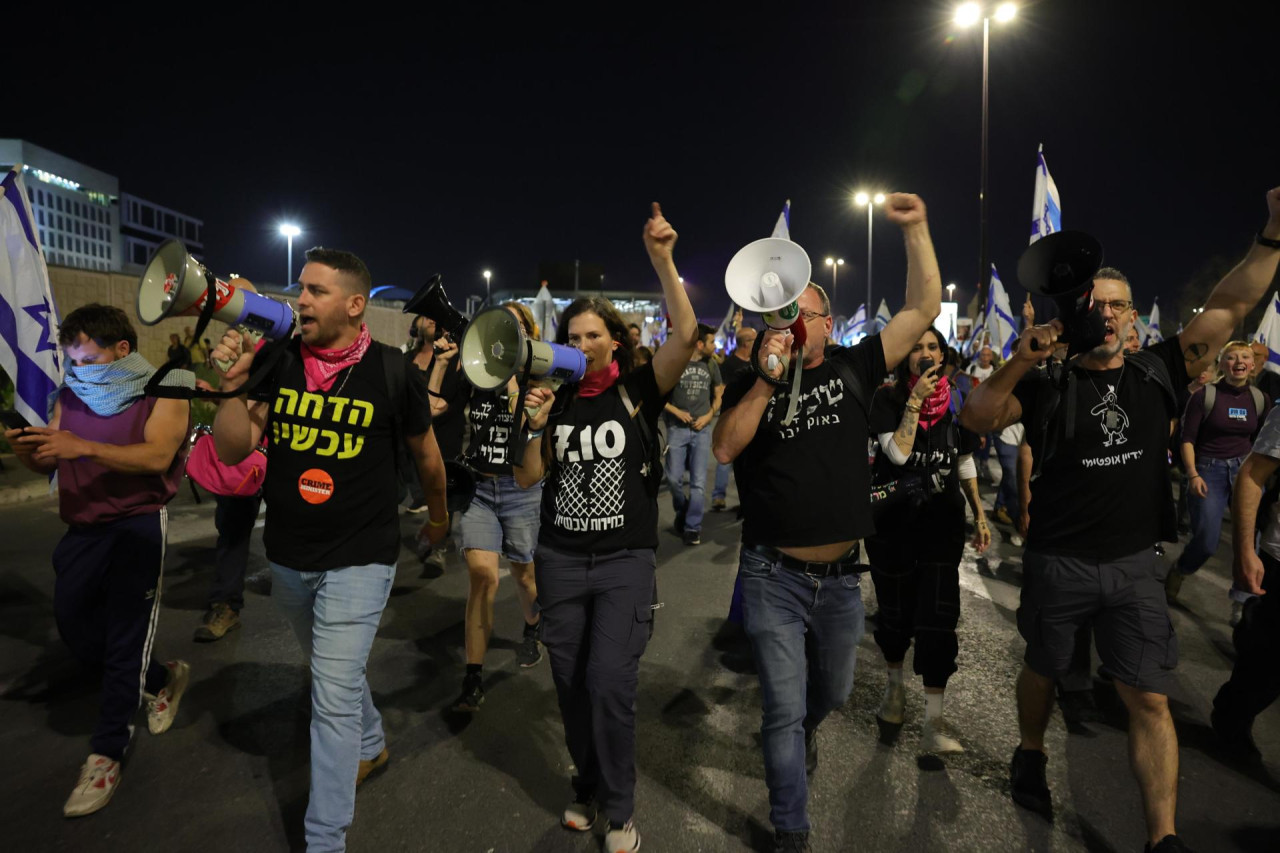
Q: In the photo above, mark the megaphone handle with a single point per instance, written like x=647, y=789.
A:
x=206, y=314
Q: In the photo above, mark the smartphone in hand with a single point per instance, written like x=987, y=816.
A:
x=12, y=420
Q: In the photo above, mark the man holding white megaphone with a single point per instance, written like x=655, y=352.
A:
x=796, y=448
x=336, y=402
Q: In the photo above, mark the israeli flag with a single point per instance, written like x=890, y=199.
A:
x=1269, y=334
x=855, y=329
x=782, y=228
x=882, y=317
x=1000, y=323
x=1153, y=335
x=1046, y=205
x=29, y=351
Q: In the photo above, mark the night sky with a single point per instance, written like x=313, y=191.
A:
x=454, y=144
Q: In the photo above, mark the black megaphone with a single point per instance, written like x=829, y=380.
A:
x=1061, y=266
x=430, y=301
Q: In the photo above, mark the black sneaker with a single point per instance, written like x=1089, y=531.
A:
x=1168, y=844
x=693, y=537
x=1079, y=706
x=810, y=752
x=529, y=652
x=472, y=695
x=1029, y=787
x=791, y=842
x=1235, y=736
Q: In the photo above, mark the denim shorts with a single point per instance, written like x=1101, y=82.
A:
x=503, y=518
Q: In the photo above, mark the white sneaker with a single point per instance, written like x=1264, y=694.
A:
x=891, y=706
x=99, y=777
x=623, y=840
x=579, y=816
x=163, y=707
x=938, y=738
x=1237, y=613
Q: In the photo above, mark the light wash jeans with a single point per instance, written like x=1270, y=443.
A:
x=721, y=489
x=335, y=615
x=1206, y=512
x=688, y=450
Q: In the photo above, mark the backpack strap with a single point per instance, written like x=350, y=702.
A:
x=1259, y=399
x=851, y=383
x=393, y=368
x=1210, y=398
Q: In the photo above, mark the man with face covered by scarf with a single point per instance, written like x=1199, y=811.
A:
x=119, y=460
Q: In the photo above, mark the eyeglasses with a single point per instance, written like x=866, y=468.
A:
x=809, y=315
x=1118, y=306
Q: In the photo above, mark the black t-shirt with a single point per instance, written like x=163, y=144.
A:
x=808, y=483
x=1105, y=492
x=731, y=367
x=329, y=504
x=449, y=426
x=934, y=458
x=492, y=422
x=595, y=500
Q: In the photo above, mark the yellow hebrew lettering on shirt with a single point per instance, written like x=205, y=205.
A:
x=313, y=401
x=304, y=437
x=356, y=406
x=348, y=451
x=291, y=398
x=330, y=436
x=339, y=403
x=283, y=431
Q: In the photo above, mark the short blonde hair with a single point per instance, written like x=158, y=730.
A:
x=526, y=317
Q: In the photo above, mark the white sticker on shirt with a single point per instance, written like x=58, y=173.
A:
x=1237, y=414
x=591, y=494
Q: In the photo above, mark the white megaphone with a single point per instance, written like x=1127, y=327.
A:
x=496, y=348
x=174, y=284
x=767, y=277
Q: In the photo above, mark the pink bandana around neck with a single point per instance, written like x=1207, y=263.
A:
x=598, y=381
x=322, y=366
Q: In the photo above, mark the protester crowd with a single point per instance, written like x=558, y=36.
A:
x=338, y=434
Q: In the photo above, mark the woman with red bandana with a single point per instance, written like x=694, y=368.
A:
x=598, y=535
x=915, y=552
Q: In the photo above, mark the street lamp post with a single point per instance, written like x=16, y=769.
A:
x=951, y=290
x=835, y=264
x=866, y=200
x=967, y=15
x=488, y=274
x=289, y=231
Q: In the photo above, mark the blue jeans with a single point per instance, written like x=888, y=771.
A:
x=804, y=633
x=335, y=615
x=1007, y=497
x=721, y=489
x=691, y=450
x=1206, y=512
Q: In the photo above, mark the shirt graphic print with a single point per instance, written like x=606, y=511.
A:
x=592, y=496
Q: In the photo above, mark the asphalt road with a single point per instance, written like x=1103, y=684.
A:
x=232, y=772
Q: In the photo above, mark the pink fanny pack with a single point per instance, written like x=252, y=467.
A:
x=234, y=481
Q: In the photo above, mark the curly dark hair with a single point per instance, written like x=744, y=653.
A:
x=105, y=325
x=902, y=372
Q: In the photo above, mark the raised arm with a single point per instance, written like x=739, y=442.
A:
x=238, y=425
x=991, y=405
x=1233, y=297
x=924, y=282
x=670, y=359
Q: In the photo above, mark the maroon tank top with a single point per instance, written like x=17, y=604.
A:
x=89, y=493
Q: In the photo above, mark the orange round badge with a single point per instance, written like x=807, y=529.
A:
x=315, y=486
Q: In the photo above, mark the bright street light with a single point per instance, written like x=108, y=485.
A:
x=968, y=14
x=289, y=231
x=865, y=199
x=488, y=274
x=835, y=264
x=951, y=289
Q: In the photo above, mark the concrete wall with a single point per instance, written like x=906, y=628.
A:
x=75, y=287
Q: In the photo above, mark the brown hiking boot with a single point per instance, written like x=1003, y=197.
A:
x=370, y=765
x=217, y=621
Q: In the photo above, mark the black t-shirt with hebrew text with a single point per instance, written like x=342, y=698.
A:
x=331, y=493
x=807, y=483
x=595, y=500
x=492, y=422
x=1105, y=493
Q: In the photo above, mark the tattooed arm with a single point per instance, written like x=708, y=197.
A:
x=1233, y=297
x=969, y=485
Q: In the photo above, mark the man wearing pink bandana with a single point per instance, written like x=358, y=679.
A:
x=333, y=531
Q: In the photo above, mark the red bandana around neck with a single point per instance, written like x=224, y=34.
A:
x=322, y=366
x=936, y=404
x=598, y=381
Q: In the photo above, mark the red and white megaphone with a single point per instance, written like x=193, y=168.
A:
x=174, y=284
